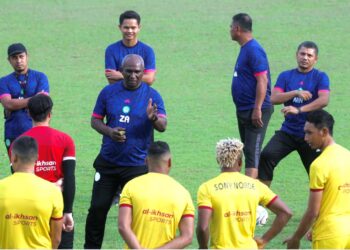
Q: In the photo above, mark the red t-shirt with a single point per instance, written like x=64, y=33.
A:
x=54, y=148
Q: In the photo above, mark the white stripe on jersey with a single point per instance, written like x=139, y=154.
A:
x=68, y=158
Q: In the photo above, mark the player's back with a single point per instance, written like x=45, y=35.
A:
x=234, y=198
x=54, y=146
x=159, y=202
x=27, y=203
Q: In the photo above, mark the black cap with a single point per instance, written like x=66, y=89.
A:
x=16, y=48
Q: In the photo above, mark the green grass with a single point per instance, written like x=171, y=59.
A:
x=195, y=58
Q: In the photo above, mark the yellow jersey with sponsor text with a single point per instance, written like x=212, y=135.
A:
x=27, y=204
x=330, y=173
x=233, y=199
x=158, y=203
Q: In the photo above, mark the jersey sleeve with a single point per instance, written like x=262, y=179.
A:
x=203, y=197
x=99, y=111
x=150, y=61
x=258, y=61
x=281, y=83
x=57, y=199
x=4, y=90
x=323, y=84
x=266, y=195
x=318, y=177
x=125, y=197
x=43, y=84
x=110, y=62
x=160, y=104
x=69, y=151
x=189, y=209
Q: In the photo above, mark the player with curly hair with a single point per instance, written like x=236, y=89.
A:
x=228, y=203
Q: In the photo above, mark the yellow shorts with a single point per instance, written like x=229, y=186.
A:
x=342, y=242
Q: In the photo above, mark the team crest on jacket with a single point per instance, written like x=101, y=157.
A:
x=126, y=109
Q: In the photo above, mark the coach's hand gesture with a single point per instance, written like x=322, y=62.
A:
x=118, y=134
x=152, y=111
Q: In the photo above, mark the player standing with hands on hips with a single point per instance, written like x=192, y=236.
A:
x=227, y=204
x=132, y=109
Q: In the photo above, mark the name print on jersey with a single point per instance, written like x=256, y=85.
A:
x=158, y=216
x=125, y=118
x=298, y=99
x=45, y=166
x=233, y=185
x=239, y=216
x=345, y=188
x=22, y=219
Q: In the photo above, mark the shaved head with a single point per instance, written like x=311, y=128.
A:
x=133, y=59
x=132, y=70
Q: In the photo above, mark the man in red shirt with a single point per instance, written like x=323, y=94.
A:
x=56, y=161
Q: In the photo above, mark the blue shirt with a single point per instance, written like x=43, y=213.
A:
x=314, y=81
x=117, y=51
x=251, y=62
x=127, y=109
x=19, y=121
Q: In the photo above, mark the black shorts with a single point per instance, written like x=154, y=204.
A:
x=279, y=146
x=251, y=136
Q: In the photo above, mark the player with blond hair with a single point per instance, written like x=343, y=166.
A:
x=227, y=204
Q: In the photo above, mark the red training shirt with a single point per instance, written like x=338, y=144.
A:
x=54, y=148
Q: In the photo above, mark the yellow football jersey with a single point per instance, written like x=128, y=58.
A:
x=158, y=204
x=233, y=198
x=27, y=203
x=330, y=172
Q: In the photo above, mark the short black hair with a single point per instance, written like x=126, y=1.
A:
x=40, y=106
x=308, y=45
x=26, y=149
x=129, y=14
x=244, y=21
x=321, y=119
x=158, y=148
